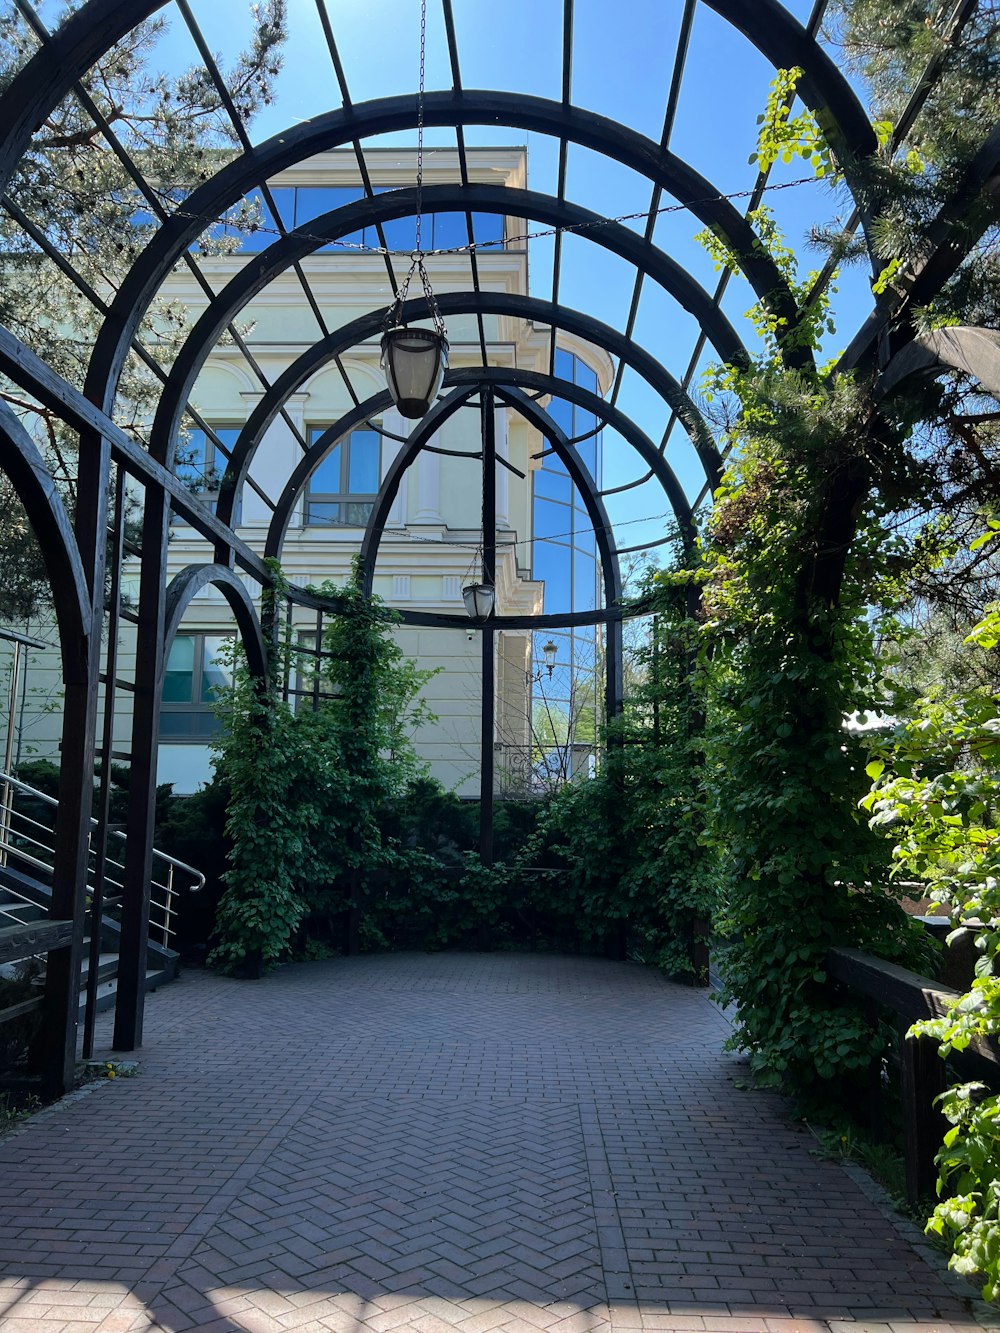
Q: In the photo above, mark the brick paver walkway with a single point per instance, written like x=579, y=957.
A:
x=470, y=1142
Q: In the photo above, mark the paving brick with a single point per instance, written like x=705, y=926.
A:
x=429, y=1143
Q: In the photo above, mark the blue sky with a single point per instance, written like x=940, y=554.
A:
x=623, y=54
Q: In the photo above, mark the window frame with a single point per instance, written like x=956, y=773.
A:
x=209, y=496
x=344, y=496
x=196, y=706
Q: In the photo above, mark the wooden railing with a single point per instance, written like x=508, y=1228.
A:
x=923, y=1074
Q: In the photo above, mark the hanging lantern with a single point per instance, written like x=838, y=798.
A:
x=414, y=362
x=479, y=599
x=549, y=651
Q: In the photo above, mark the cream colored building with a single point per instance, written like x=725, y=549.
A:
x=429, y=548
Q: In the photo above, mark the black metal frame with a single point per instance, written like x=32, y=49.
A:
x=76, y=556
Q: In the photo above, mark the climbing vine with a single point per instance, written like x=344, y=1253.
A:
x=936, y=796
x=783, y=668
x=308, y=787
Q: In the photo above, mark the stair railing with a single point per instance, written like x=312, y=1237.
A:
x=30, y=842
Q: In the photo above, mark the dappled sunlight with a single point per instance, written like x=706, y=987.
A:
x=444, y=1141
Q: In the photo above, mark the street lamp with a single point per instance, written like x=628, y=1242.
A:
x=414, y=362
x=549, y=651
x=480, y=599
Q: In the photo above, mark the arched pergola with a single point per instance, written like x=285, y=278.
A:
x=83, y=565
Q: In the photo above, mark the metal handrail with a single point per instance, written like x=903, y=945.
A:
x=13, y=843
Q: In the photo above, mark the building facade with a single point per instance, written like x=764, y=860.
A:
x=545, y=723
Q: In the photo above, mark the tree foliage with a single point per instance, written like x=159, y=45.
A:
x=936, y=797
x=76, y=192
x=308, y=787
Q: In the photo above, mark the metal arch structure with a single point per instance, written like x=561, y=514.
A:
x=186, y=585
x=229, y=186
x=77, y=559
x=450, y=303
x=472, y=376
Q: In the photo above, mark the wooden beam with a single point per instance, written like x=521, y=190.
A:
x=36, y=937
x=19, y=1010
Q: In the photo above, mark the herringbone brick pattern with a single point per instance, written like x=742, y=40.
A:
x=469, y=1142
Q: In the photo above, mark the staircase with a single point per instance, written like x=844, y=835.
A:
x=27, y=856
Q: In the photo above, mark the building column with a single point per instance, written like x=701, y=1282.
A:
x=503, y=476
x=429, y=488
x=391, y=420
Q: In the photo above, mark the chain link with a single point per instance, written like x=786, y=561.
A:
x=394, y=315
x=420, y=129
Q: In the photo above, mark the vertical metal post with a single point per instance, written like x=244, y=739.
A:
x=100, y=850
x=8, y=790
x=57, y=1045
x=318, y=659
x=149, y=666
x=168, y=905
x=613, y=652
x=488, y=422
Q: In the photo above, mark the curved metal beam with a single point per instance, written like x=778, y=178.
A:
x=973, y=351
x=604, y=136
x=42, y=83
x=473, y=376
x=262, y=268
x=429, y=425
x=280, y=519
x=453, y=303
x=92, y=30
x=579, y=473
x=66, y=401
x=541, y=420
x=188, y=582
x=780, y=38
x=35, y=488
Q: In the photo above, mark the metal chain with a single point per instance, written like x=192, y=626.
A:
x=420, y=129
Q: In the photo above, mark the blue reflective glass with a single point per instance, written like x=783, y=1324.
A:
x=253, y=241
x=561, y=413
x=192, y=457
x=584, y=582
x=401, y=233
x=583, y=537
x=362, y=465
x=228, y=435
x=564, y=364
x=322, y=511
x=552, y=567
x=552, y=485
x=178, y=678
x=487, y=226
x=326, y=479
x=312, y=200
x=584, y=422
x=585, y=376
x=559, y=687
x=450, y=229
x=587, y=452
x=552, y=520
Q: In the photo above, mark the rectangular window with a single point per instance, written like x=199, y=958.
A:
x=312, y=200
x=343, y=488
x=200, y=466
x=192, y=676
